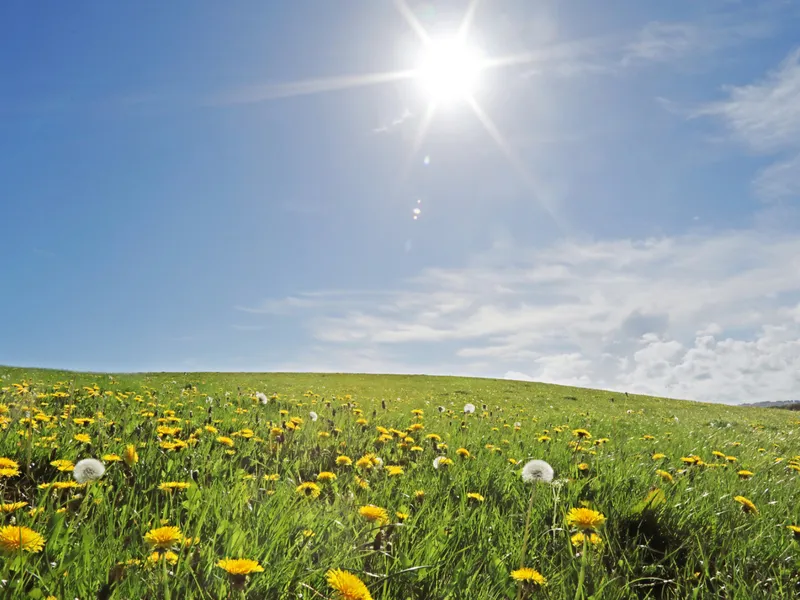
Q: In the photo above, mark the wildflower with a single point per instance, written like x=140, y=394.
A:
x=441, y=462
x=747, y=505
x=225, y=441
x=347, y=586
x=240, y=566
x=583, y=467
x=88, y=469
x=112, y=457
x=313, y=416
x=744, y=474
x=272, y=476
x=537, y=470
x=394, y=470
x=374, y=514
x=238, y=569
x=163, y=537
x=262, y=397
x=475, y=496
x=326, y=476
x=463, y=453
x=367, y=461
x=585, y=519
x=130, y=456
x=344, y=461
x=308, y=490
x=15, y=539
x=665, y=476
x=543, y=438
x=83, y=438
x=308, y=533
x=658, y=456
x=63, y=464
x=11, y=507
x=580, y=537
x=362, y=483
x=171, y=486
x=795, y=530
x=419, y=495
x=529, y=576
x=469, y=408
x=582, y=434
x=401, y=516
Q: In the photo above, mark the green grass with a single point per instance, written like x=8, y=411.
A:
x=696, y=543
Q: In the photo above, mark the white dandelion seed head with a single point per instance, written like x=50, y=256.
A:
x=441, y=409
x=629, y=411
x=313, y=416
x=209, y=400
x=469, y=408
x=437, y=461
x=537, y=470
x=517, y=424
x=88, y=469
x=262, y=397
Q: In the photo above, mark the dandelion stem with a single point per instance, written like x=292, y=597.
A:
x=525, y=539
x=582, y=575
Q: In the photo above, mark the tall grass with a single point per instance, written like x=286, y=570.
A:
x=696, y=543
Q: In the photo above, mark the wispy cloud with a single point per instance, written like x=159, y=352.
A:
x=713, y=318
x=765, y=117
x=663, y=42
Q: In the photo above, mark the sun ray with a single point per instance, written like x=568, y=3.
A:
x=516, y=163
x=466, y=22
x=261, y=93
x=412, y=21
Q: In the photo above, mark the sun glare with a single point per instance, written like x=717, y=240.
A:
x=449, y=70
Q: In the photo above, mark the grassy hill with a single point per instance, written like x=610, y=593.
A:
x=238, y=463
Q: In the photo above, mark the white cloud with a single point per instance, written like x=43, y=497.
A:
x=765, y=117
x=714, y=318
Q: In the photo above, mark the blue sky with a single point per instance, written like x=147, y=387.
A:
x=196, y=186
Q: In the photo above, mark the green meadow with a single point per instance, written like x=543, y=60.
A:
x=204, y=467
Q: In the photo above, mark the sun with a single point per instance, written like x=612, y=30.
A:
x=449, y=70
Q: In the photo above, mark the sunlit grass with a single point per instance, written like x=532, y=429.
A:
x=220, y=475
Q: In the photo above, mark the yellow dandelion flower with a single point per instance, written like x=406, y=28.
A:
x=308, y=490
x=394, y=470
x=374, y=514
x=272, y=477
x=240, y=566
x=582, y=434
x=326, y=476
x=747, y=505
x=83, y=438
x=347, y=586
x=112, y=458
x=344, y=461
x=362, y=483
x=475, y=496
x=163, y=537
x=744, y=474
x=63, y=464
x=795, y=530
x=463, y=453
x=665, y=475
x=593, y=539
x=12, y=506
x=401, y=516
x=585, y=519
x=172, y=486
x=583, y=467
x=16, y=539
x=419, y=495
x=130, y=456
x=225, y=441
x=528, y=576
x=658, y=456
